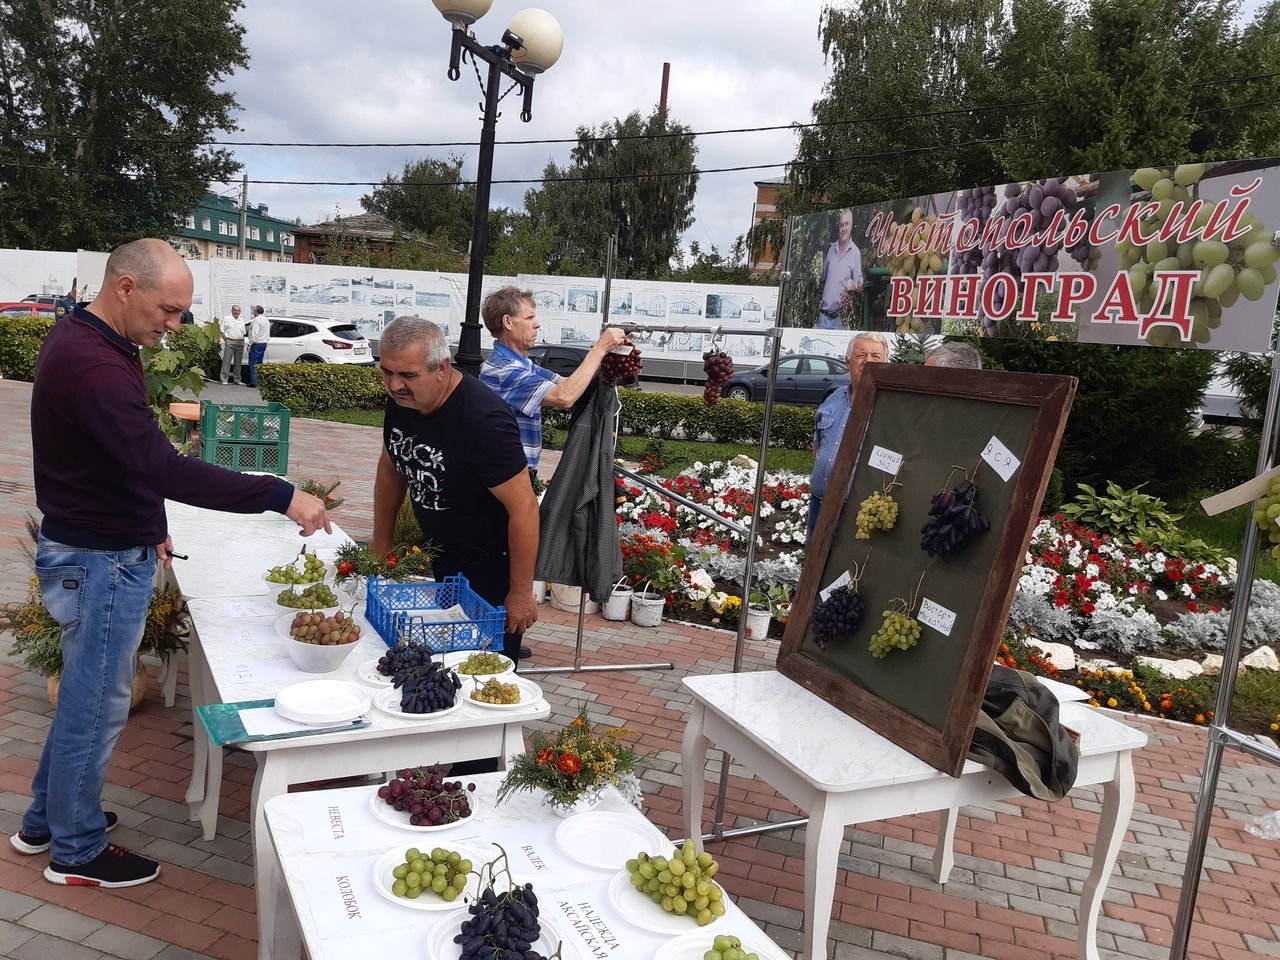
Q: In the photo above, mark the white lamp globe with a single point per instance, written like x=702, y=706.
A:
x=543, y=40
x=462, y=13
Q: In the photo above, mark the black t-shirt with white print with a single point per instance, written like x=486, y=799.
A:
x=451, y=458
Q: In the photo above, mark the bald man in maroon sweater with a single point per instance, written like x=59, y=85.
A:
x=103, y=469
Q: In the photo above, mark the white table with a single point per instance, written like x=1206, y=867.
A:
x=333, y=910
x=843, y=773
x=229, y=554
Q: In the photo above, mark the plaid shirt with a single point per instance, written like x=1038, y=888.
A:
x=523, y=385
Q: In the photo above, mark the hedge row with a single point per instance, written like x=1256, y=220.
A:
x=315, y=387
x=20, y=342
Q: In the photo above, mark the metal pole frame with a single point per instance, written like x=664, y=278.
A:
x=1220, y=733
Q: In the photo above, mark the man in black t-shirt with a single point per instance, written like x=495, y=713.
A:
x=453, y=445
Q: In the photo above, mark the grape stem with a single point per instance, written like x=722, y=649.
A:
x=857, y=571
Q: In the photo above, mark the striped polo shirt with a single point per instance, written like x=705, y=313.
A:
x=523, y=385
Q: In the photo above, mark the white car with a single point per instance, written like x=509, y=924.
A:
x=316, y=340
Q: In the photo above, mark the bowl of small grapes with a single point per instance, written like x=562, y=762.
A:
x=319, y=643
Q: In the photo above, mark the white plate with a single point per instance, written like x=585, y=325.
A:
x=322, y=701
x=440, y=945
x=692, y=946
x=368, y=672
x=604, y=838
x=382, y=879
x=530, y=692
x=636, y=908
x=458, y=656
x=388, y=701
x=397, y=818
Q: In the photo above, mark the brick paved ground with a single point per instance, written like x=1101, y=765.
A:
x=1012, y=895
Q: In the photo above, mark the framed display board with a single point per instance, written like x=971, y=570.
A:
x=925, y=430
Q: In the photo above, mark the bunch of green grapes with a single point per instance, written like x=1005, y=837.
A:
x=1265, y=513
x=878, y=512
x=482, y=663
x=315, y=596
x=1242, y=268
x=495, y=691
x=443, y=872
x=898, y=632
x=930, y=260
x=681, y=885
x=725, y=947
x=312, y=571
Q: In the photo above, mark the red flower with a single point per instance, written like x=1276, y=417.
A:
x=569, y=763
x=546, y=756
x=1193, y=607
x=346, y=568
x=392, y=561
x=1087, y=608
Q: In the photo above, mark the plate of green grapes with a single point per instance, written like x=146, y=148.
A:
x=478, y=663
x=311, y=569
x=318, y=596
x=505, y=692
x=428, y=879
x=705, y=946
x=669, y=895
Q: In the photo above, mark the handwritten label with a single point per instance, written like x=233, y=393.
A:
x=937, y=616
x=1001, y=459
x=248, y=609
x=599, y=940
x=885, y=460
x=256, y=634
x=841, y=581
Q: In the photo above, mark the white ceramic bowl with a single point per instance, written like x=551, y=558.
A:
x=322, y=701
x=318, y=657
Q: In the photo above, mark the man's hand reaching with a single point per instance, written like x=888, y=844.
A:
x=308, y=512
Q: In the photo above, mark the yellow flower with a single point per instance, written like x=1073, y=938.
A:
x=1112, y=702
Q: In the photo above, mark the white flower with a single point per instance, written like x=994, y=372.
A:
x=1161, y=595
x=701, y=585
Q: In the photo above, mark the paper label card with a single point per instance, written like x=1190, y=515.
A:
x=1001, y=459
x=885, y=460
x=841, y=581
x=256, y=633
x=248, y=609
x=936, y=616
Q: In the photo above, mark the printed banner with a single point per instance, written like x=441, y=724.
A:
x=1175, y=256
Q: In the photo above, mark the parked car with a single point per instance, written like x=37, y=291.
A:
x=316, y=340
x=44, y=298
x=802, y=378
x=564, y=360
x=27, y=308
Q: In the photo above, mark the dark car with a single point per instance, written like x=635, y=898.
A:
x=564, y=360
x=802, y=378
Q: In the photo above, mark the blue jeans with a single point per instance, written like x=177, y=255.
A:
x=256, y=353
x=100, y=599
x=815, y=507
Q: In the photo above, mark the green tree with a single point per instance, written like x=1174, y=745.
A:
x=618, y=194
x=103, y=110
x=710, y=266
x=516, y=245
x=406, y=253
x=427, y=197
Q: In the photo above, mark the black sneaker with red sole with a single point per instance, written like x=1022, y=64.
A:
x=29, y=844
x=113, y=867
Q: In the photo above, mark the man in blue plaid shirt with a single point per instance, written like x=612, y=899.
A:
x=526, y=387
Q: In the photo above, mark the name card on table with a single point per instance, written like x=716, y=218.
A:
x=343, y=901
x=245, y=671
x=593, y=927
x=249, y=609
x=334, y=822
x=255, y=634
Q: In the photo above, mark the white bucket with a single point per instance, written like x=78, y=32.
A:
x=758, y=622
x=566, y=598
x=646, y=608
x=618, y=606
x=539, y=591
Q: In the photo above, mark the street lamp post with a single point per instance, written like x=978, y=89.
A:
x=530, y=45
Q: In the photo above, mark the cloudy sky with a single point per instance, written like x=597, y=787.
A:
x=324, y=70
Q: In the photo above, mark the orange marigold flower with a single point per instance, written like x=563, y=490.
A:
x=1199, y=718
x=569, y=763
x=546, y=756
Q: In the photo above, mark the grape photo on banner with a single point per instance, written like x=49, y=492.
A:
x=1171, y=255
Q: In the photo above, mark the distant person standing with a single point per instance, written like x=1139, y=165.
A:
x=841, y=273
x=64, y=305
x=258, y=332
x=232, y=345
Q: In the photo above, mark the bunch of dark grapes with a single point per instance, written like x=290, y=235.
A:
x=718, y=366
x=620, y=367
x=837, y=617
x=975, y=203
x=501, y=926
x=953, y=521
x=427, y=797
x=402, y=659
x=428, y=689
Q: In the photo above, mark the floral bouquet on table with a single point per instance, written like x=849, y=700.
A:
x=575, y=766
x=324, y=491
x=354, y=564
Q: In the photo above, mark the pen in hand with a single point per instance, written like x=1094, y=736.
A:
x=177, y=556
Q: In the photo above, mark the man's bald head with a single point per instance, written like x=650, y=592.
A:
x=146, y=261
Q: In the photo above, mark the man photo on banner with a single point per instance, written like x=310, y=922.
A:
x=834, y=414
x=841, y=274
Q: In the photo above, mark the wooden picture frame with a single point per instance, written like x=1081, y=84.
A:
x=926, y=699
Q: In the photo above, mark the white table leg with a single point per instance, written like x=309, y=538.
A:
x=271, y=780
x=1117, y=805
x=213, y=794
x=200, y=742
x=693, y=772
x=944, y=856
x=169, y=685
x=821, y=853
x=286, y=942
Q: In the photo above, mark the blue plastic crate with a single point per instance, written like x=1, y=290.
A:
x=396, y=611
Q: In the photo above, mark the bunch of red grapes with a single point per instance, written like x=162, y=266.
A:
x=620, y=367
x=719, y=368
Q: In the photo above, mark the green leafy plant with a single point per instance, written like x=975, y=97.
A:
x=1129, y=515
x=174, y=364
x=20, y=341
x=310, y=387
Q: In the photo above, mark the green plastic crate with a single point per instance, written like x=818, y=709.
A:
x=245, y=437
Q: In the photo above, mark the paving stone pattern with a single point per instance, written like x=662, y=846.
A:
x=1013, y=893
